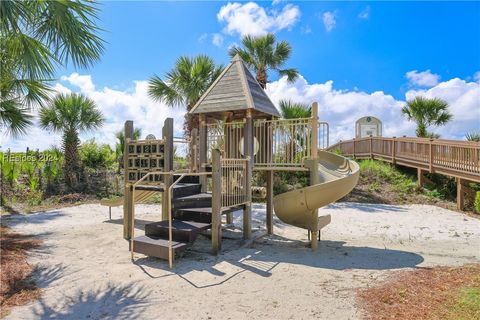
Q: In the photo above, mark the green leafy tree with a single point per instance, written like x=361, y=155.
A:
x=294, y=110
x=96, y=155
x=71, y=114
x=264, y=54
x=185, y=84
x=120, y=145
x=35, y=38
x=425, y=113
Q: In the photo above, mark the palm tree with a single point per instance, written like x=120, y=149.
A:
x=427, y=112
x=36, y=37
x=294, y=110
x=185, y=84
x=263, y=54
x=473, y=136
x=71, y=114
x=120, y=145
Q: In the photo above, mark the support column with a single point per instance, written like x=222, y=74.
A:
x=216, y=202
x=194, y=150
x=248, y=153
x=270, y=201
x=420, y=177
x=127, y=203
x=314, y=178
x=167, y=134
x=202, y=150
x=460, y=194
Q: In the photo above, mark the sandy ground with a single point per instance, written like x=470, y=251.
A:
x=85, y=269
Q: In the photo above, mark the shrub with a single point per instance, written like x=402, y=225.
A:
x=96, y=156
x=477, y=202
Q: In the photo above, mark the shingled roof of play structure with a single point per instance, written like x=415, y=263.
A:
x=236, y=89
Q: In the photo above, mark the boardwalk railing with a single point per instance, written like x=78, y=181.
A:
x=460, y=159
x=234, y=183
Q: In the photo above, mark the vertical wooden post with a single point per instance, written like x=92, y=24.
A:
x=248, y=153
x=127, y=199
x=430, y=156
x=216, y=201
x=393, y=150
x=371, y=149
x=314, y=177
x=202, y=150
x=167, y=134
x=353, y=147
x=270, y=201
x=420, y=177
x=193, y=150
x=460, y=194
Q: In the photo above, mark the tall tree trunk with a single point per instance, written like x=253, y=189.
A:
x=421, y=130
x=262, y=78
x=71, y=165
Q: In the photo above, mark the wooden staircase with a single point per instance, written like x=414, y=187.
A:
x=192, y=214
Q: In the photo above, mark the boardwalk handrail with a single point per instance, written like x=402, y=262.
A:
x=459, y=159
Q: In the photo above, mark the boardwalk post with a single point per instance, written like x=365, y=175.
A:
x=202, y=150
x=420, y=177
x=371, y=149
x=353, y=147
x=167, y=134
x=216, y=201
x=460, y=194
x=393, y=150
x=314, y=178
x=430, y=156
x=127, y=203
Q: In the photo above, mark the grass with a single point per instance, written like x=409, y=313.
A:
x=381, y=182
x=429, y=293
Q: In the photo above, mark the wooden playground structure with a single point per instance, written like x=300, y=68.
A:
x=239, y=131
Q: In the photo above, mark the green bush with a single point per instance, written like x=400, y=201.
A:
x=97, y=156
x=477, y=202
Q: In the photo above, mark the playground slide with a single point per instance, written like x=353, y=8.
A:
x=337, y=175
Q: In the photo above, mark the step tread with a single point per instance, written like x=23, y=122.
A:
x=209, y=209
x=202, y=195
x=181, y=225
x=160, y=242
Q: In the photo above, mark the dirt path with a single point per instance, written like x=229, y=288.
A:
x=85, y=270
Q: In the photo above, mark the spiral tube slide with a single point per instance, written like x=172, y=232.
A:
x=337, y=175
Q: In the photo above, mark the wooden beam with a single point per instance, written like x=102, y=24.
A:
x=216, y=202
x=167, y=134
x=269, y=218
x=248, y=152
x=420, y=177
x=202, y=149
x=314, y=177
x=127, y=204
x=460, y=194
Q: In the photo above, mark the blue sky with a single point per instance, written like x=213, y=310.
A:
x=354, y=58
x=372, y=53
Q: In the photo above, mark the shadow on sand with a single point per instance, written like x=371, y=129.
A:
x=269, y=252
x=108, y=302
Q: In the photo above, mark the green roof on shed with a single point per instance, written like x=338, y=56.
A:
x=235, y=89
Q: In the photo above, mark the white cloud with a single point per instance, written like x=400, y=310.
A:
x=117, y=107
x=217, y=39
x=329, y=20
x=252, y=19
x=306, y=29
x=476, y=76
x=342, y=108
x=422, y=79
x=365, y=14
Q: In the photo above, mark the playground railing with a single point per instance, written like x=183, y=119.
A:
x=460, y=159
x=234, y=182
